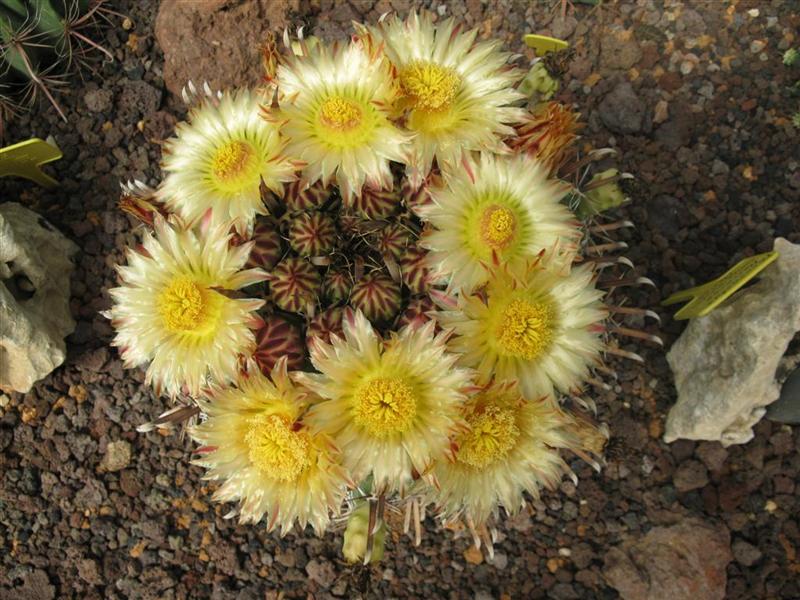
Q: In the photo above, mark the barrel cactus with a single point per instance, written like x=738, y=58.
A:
x=413, y=313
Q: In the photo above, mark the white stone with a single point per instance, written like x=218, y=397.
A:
x=35, y=266
x=725, y=363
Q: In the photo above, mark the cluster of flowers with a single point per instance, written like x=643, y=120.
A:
x=364, y=278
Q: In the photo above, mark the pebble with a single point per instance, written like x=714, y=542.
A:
x=690, y=475
x=622, y=111
x=117, y=456
x=661, y=111
x=99, y=101
x=745, y=553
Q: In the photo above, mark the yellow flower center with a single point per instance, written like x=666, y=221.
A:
x=429, y=86
x=232, y=160
x=385, y=406
x=498, y=225
x=493, y=433
x=340, y=114
x=276, y=449
x=186, y=306
x=526, y=329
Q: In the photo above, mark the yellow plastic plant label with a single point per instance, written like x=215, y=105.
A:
x=25, y=158
x=543, y=44
x=706, y=297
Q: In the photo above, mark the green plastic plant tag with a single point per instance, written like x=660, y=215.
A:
x=706, y=297
x=542, y=44
x=25, y=158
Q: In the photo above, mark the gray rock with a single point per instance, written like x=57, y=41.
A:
x=35, y=586
x=712, y=454
x=622, y=111
x=619, y=50
x=677, y=130
x=786, y=409
x=35, y=267
x=725, y=363
x=745, y=553
x=682, y=562
x=98, y=101
x=321, y=572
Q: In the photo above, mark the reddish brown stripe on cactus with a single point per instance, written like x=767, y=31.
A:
x=393, y=240
x=416, y=311
x=377, y=296
x=377, y=204
x=312, y=234
x=324, y=324
x=267, y=248
x=415, y=272
x=294, y=284
x=336, y=285
x=299, y=196
x=277, y=338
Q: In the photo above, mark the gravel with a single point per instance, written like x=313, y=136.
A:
x=717, y=180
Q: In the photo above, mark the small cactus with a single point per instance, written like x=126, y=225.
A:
x=277, y=338
x=266, y=251
x=377, y=296
x=791, y=57
x=601, y=197
x=356, y=537
x=312, y=234
x=294, y=284
x=538, y=84
x=325, y=324
x=336, y=286
x=42, y=41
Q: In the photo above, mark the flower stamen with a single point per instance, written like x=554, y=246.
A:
x=498, y=226
x=276, y=449
x=184, y=306
x=385, y=406
x=526, y=329
x=232, y=159
x=340, y=114
x=493, y=433
x=429, y=86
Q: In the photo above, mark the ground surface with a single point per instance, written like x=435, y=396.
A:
x=718, y=164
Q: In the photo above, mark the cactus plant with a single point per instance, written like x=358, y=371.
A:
x=43, y=42
x=440, y=310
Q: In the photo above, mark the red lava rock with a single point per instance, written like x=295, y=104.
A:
x=690, y=475
x=670, y=81
x=749, y=104
x=217, y=41
x=682, y=562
